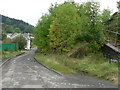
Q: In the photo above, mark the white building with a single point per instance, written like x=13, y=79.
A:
x=25, y=35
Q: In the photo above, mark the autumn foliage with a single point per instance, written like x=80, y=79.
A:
x=68, y=24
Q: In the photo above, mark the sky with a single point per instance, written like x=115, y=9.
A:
x=30, y=11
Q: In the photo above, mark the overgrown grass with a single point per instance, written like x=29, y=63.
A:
x=9, y=54
x=33, y=46
x=53, y=62
x=93, y=64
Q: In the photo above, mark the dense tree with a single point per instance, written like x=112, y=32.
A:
x=20, y=41
x=68, y=24
x=41, y=32
x=91, y=23
x=113, y=22
x=42, y=29
x=3, y=36
x=106, y=15
x=113, y=25
x=64, y=27
x=7, y=40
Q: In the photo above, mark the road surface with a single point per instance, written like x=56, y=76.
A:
x=24, y=72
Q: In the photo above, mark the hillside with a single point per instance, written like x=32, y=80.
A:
x=11, y=25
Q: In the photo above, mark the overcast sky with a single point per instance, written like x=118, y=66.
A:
x=31, y=10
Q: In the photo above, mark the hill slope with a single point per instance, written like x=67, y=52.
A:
x=11, y=25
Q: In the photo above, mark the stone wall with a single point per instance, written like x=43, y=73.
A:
x=110, y=52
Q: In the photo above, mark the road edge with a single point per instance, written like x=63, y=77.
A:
x=10, y=59
x=49, y=68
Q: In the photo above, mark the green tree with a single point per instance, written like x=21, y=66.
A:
x=106, y=16
x=8, y=21
x=17, y=30
x=10, y=25
x=64, y=27
x=41, y=33
x=92, y=27
x=21, y=41
x=42, y=29
x=7, y=40
x=68, y=24
x=4, y=36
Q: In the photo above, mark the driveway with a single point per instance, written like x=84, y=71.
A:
x=24, y=72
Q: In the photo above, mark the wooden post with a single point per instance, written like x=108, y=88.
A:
x=116, y=39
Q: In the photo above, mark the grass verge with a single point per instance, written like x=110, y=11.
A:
x=50, y=61
x=10, y=54
x=93, y=64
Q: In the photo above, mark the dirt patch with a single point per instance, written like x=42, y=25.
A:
x=77, y=52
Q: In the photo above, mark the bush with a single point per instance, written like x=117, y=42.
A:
x=68, y=24
x=7, y=40
x=21, y=41
x=64, y=28
x=3, y=36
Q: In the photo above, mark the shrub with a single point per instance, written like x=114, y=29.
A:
x=21, y=41
x=7, y=40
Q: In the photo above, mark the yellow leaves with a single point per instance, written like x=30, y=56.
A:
x=65, y=24
x=54, y=38
x=65, y=50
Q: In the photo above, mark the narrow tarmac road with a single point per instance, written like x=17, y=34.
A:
x=24, y=72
